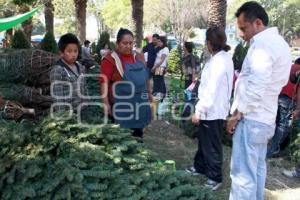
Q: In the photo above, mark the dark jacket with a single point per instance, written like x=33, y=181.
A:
x=152, y=51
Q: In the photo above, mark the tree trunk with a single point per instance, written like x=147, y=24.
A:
x=80, y=11
x=49, y=16
x=27, y=25
x=217, y=13
x=9, y=32
x=137, y=17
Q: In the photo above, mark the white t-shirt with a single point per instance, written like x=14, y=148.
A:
x=164, y=51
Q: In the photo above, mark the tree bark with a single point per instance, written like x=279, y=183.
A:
x=49, y=16
x=27, y=25
x=80, y=11
x=137, y=17
x=217, y=13
x=9, y=32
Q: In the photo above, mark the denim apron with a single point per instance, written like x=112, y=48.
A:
x=132, y=107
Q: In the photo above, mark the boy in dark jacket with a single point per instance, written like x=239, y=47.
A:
x=67, y=88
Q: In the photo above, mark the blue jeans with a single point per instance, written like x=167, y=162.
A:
x=248, y=164
x=282, y=125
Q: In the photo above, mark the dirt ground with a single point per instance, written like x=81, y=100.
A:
x=170, y=143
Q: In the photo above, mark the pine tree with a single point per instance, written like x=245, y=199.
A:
x=174, y=62
x=61, y=159
x=19, y=41
x=104, y=39
x=239, y=55
x=48, y=43
x=294, y=146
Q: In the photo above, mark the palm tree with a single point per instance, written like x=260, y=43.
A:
x=24, y=6
x=49, y=16
x=26, y=25
x=217, y=13
x=80, y=10
x=8, y=10
x=137, y=17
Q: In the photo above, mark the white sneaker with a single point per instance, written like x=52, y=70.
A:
x=291, y=173
x=193, y=171
x=213, y=184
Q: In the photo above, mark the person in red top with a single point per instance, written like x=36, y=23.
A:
x=284, y=114
x=125, y=89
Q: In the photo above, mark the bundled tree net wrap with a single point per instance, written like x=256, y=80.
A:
x=24, y=81
x=23, y=65
x=24, y=94
x=13, y=110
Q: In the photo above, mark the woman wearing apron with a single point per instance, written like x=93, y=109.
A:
x=125, y=85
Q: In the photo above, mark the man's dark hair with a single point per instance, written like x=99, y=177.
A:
x=66, y=39
x=253, y=10
x=122, y=32
x=155, y=35
x=87, y=42
x=189, y=46
x=297, y=61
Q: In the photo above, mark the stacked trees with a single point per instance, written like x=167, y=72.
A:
x=61, y=159
x=24, y=77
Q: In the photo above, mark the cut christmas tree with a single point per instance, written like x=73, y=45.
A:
x=61, y=159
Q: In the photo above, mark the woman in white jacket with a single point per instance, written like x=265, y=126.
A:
x=212, y=108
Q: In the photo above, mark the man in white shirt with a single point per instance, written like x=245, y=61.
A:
x=264, y=72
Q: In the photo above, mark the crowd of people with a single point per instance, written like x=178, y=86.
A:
x=262, y=87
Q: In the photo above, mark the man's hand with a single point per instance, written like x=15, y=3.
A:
x=195, y=119
x=232, y=122
x=295, y=114
x=194, y=77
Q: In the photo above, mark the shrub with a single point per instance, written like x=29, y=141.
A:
x=103, y=40
x=239, y=55
x=174, y=61
x=294, y=136
x=48, y=43
x=19, y=41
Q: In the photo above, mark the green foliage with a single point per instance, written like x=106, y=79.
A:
x=176, y=86
x=93, y=114
x=61, y=159
x=49, y=43
x=19, y=41
x=104, y=39
x=284, y=14
x=64, y=10
x=239, y=55
x=174, y=61
x=112, y=45
x=294, y=147
x=167, y=26
x=116, y=13
x=94, y=47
